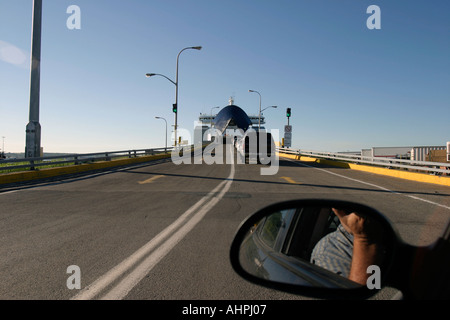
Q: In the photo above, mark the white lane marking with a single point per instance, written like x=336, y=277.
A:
x=8, y=192
x=428, y=201
x=142, y=269
x=373, y=185
x=131, y=280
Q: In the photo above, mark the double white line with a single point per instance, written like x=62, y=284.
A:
x=140, y=263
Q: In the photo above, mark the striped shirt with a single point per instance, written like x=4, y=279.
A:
x=334, y=252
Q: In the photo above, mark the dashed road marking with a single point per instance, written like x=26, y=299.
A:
x=290, y=180
x=150, y=180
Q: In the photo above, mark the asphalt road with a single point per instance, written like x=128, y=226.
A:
x=163, y=231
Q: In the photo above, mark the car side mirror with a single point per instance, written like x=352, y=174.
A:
x=322, y=248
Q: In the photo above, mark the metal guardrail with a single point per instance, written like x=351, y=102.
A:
x=36, y=163
x=75, y=159
x=390, y=163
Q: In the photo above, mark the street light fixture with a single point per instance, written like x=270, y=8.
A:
x=148, y=75
x=166, y=129
x=175, y=109
x=259, y=118
x=268, y=108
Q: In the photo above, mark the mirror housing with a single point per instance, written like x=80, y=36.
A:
x=274, y=260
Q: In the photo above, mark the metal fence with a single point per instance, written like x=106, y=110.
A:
x=436, y=168
x=8, y=165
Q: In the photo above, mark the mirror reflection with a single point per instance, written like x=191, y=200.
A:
x=315, y=246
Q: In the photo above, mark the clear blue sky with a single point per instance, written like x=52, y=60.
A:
x=349, y=87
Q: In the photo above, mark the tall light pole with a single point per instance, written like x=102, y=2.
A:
x=166, y=129
x=148, y=75
x=175, y=106
x=259, y=118
x=176, y=90
x=33, y=129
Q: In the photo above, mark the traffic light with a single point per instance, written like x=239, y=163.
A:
x=288, y=112
x=174, y=108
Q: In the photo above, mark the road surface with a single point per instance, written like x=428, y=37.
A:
x=161, y=231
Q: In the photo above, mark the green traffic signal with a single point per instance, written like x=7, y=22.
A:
x=174, y=108
x=288, y=112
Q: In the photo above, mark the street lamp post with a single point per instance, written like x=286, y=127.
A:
x=176, y=86
x=166, y=129
x=176, y=90
x=33, y=128
x=259, y=118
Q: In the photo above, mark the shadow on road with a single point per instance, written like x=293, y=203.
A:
x=283, y=182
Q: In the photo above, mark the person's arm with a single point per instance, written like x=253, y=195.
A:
x=365, y=254
x=366, y=250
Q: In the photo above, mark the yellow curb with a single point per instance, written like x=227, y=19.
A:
x=54, y=172
x=413, y=176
